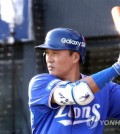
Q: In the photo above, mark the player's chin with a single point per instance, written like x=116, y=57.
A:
x=53, y=73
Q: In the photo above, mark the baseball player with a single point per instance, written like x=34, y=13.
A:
x=66, y=101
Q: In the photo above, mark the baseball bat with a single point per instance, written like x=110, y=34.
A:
x=116, y=17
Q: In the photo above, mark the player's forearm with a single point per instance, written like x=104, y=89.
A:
x=98, y=80
x=80, y=92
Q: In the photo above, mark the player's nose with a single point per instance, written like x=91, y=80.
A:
x=49, y=58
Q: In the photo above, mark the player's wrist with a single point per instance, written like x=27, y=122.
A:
x=116, y=67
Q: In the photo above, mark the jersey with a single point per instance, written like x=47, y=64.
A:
x=47, y=118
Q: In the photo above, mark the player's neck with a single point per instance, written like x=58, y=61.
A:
x=73, y=75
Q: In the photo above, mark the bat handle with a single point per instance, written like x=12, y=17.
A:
x=116, y=17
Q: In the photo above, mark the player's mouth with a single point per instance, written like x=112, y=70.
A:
x=50, y=68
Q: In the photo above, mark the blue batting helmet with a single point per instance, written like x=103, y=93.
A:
x=65, y=39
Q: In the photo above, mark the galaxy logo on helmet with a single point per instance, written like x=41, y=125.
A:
x=73, y=42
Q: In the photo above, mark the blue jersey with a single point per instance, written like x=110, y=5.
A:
x=47, y=118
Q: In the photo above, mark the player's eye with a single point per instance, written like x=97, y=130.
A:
x=55, y=52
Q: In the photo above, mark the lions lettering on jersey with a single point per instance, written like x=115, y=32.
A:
x=82, y=114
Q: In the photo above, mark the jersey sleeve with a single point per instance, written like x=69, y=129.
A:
x=41, y=88
x=114, y=101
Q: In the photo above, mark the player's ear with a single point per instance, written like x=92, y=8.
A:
x=76, y=57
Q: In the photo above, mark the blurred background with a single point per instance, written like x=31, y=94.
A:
x=24, y=24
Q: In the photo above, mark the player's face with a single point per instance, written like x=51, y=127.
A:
x=59, y=62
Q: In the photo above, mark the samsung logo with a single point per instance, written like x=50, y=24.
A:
x=73, y=42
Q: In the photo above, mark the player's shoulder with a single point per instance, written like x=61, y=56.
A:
x=111, y=88
x=114, y=86
x=41, y=79
x=44, y=76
